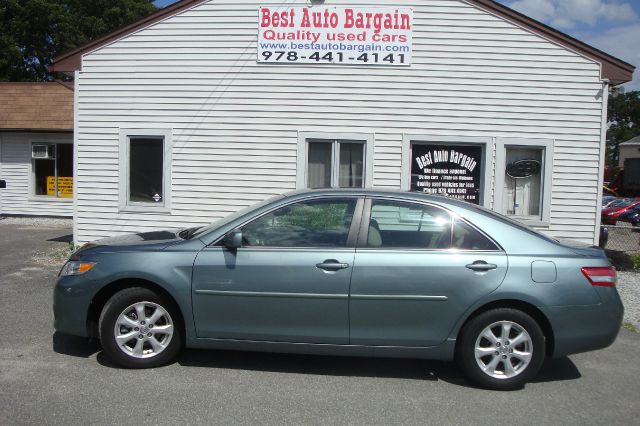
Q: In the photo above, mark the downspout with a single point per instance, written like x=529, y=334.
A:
x=603, y=150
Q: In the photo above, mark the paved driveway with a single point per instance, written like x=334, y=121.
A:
x=53, y=379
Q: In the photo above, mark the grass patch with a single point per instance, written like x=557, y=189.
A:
x=624, y=261
x=628, y=326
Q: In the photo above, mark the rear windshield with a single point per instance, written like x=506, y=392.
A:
x=509, y=221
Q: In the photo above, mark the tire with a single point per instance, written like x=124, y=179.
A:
x=132, y=342
x=496, y=351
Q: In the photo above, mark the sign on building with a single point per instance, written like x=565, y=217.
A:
x=65, y=186
x=449, y=170
x=331, y=35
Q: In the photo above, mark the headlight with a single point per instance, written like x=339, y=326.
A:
x=76, y=268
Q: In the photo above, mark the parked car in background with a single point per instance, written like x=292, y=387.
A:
x=346, y=272
x=611, y=214
x=607, y=200
x=631, y=216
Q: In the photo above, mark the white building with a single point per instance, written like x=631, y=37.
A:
x=36, y=149
x=202, y=108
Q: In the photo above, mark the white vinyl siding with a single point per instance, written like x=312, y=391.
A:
x=16, y=168
x=235, y=123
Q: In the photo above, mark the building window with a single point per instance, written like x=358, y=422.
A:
x=52, y=169
x=145, y=169
x=335, y=161
x=522, y=189
x=146, y=159
x=335, y=164
x=523, y=180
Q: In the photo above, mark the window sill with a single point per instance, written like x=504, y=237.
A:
x=150, y=209
x=49, y=199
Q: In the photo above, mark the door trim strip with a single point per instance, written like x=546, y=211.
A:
x=271, y=294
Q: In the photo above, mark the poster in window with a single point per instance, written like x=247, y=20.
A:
x=450, y=170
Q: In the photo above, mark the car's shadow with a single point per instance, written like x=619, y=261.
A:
x=553, y=370
x=74, y=346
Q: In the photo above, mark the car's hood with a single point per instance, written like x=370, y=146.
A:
x=145, y=241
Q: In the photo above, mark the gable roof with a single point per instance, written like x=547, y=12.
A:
x=613, y=69
x=36, y=106
x=631, y=142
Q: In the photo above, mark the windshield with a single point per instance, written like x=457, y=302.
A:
x=205, y=229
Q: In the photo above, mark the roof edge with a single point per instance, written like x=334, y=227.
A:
x=613, y=69
x=72, y=60
x=36, y=130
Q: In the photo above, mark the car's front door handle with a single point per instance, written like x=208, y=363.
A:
x=332, y=265
x=482, y=266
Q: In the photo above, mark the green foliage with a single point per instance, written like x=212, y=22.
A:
x=635, y=261
x=33, y=32
x=624, y=122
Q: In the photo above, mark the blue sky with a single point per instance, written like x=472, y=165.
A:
x=609, y=25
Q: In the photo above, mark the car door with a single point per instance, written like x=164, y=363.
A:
x=289, y=282
x=417, y=270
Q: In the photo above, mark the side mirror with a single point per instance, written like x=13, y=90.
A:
x=3, y=184
x=233, y=240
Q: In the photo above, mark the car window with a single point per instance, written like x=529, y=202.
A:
x=466, y=237
x=408, y=225
x=320, y=223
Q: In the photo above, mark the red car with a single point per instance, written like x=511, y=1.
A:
x=611, y=214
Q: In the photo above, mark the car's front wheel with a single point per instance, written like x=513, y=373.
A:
x=138, y=329
x=501, y=349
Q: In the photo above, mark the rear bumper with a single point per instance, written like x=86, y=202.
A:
x=584, y=328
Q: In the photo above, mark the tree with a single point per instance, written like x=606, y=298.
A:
x=33, y=32
x=624, y=122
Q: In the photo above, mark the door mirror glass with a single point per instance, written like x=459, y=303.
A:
x=233, y=240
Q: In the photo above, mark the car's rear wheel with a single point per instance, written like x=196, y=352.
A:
x=138, y=329
x=501, y=349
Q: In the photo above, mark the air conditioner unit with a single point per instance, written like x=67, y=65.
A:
x=43, y=152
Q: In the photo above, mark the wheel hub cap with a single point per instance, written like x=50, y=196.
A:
x=503, y=350
x=143, y=330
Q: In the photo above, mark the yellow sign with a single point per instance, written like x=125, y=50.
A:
x=65, y=186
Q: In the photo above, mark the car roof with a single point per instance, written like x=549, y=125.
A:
x=379, y=193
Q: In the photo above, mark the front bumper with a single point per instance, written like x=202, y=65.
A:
x=71, y=301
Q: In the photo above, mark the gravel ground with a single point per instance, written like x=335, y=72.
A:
x=38, y=222
x=629, y=288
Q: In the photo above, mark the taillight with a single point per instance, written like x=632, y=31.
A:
x=601, y=276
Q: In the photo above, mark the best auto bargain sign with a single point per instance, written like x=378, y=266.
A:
x=330, y=35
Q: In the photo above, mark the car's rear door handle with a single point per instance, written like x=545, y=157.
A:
x=482, y=266
x=332, y=265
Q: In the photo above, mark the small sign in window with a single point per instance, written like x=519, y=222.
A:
x=450, y=170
